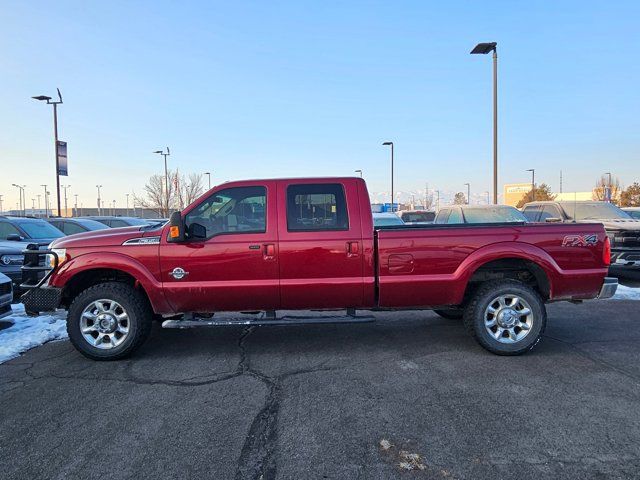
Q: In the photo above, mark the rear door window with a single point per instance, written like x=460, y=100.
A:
x=315, y=207
x=549, y=211
x=531, y=212
x=70, y=228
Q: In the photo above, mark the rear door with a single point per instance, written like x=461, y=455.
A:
x=320, y=244
x=236, y=266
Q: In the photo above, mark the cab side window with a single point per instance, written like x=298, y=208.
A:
x=531, y=212
x=312, y=207
x=549, y=211
x=7, y=229
x=232, y=210
x=455, y=216
x=71, y=228
x=443, y=216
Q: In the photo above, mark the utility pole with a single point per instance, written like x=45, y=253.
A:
x=391, y=143
x=66, y=212
x=208, y=174
x=533, y=183
x=127, y=195
x=468, y=193
x=99, y=209
x=46, y=202
x=33, y=207
x=166, y=177
x=76, y=207
x=560, y=181
x=39, y=204
x=55, y=135
x=0, y=204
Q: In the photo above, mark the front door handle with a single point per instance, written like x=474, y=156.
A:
x=269, y=251
x=353, y=249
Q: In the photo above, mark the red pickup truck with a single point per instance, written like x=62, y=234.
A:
x=294, y=244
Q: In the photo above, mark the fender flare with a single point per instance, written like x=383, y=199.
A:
x=503, y=250
x=114, y=261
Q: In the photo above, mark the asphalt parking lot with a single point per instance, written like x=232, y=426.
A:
x=408, y=396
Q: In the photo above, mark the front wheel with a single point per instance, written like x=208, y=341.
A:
x=109, y=321
x=506, y=317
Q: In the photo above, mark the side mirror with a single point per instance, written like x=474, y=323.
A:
x=14, y=237
x=197, y=231
x=553, y=220
x=176, y=228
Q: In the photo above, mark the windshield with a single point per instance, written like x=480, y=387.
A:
x=493, y=215
x=387, y=221
x=593, y=211
x=37, y=230
x=418, y=216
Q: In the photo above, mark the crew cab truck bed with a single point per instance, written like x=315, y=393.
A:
x=298, y=244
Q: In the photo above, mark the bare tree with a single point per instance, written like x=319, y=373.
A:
x=602, y=186
x=181, y=192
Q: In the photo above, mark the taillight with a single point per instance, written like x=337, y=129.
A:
x=606, y=251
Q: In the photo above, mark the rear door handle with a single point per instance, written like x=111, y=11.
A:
x=269, y=251
x=353, y=249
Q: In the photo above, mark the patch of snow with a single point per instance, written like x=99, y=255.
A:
x=29, y=332
x=626, y=293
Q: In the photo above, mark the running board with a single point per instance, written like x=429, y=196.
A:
x=286, y=320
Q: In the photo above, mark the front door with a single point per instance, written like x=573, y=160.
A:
x=236, y=266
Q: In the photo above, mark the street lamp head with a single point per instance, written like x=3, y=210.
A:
x=387, y=143
x=42, y=98
x=484, y=48
x=158, y=151
x=531, y=170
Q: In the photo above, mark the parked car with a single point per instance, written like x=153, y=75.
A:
x=70, y=226
x=11, y=258
x=474, y=214
x=155, y=222
x=417, y=217
x=6, y=295
x=622, y=230
x=117, y=222
x=386, y=220
x=310, y=243
x=28, y=229
x=633, y=212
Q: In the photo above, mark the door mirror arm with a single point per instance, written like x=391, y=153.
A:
x=176, y=228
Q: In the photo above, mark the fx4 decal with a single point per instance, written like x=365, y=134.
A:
x=580, y=240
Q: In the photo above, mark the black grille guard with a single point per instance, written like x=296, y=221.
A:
x=32, y=268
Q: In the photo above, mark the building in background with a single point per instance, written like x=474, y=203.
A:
x=514, y=192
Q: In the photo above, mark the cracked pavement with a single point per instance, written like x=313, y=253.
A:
x=317, y=401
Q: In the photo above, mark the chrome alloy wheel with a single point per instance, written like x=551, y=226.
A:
x=104, y=324
x=508, y=318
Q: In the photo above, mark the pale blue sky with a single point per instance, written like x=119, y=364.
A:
x=265, y=89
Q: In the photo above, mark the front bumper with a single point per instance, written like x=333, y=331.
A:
x=42, y=299
x=609, y=287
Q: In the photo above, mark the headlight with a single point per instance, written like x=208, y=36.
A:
x=11, y=260
x=62, y=257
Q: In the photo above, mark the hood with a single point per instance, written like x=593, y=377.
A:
x=616, y=223
x=103, y=238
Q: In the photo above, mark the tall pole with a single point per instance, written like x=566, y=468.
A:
x=0, y=204
x=533, y=183
x=127, y=195
x=468, y=193
x=55, y=134
x=560, y=181
x=495, y=126
x=46, y=202
x=208, y=174
x=391, y=144
x=65, y=200
x=39, y=204
x=610, y=194
x=76, y=204
x=99, y=208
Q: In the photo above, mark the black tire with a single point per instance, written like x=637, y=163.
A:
x=451, y=313
x=138, y=311
x=474, y=317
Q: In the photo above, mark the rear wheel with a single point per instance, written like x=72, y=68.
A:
x=109, y=321
x=451, y=313
x=506, y=317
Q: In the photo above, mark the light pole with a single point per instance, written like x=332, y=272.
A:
x=114, y=208
x=127, y=195
x=55, y=134
x=166, y=176
x=76, y=195
x=359, y=171
x=21, y=206
x=46, y=202
x=208, y=174
x=533, y=183
x=387, y=144
x=483, y=49
x=488, y=201
x=33, y=207
x=468, y=193
x=66, y=212
x=609, y=194
x=39, y=205
x=0, y=204
x=99, y=210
